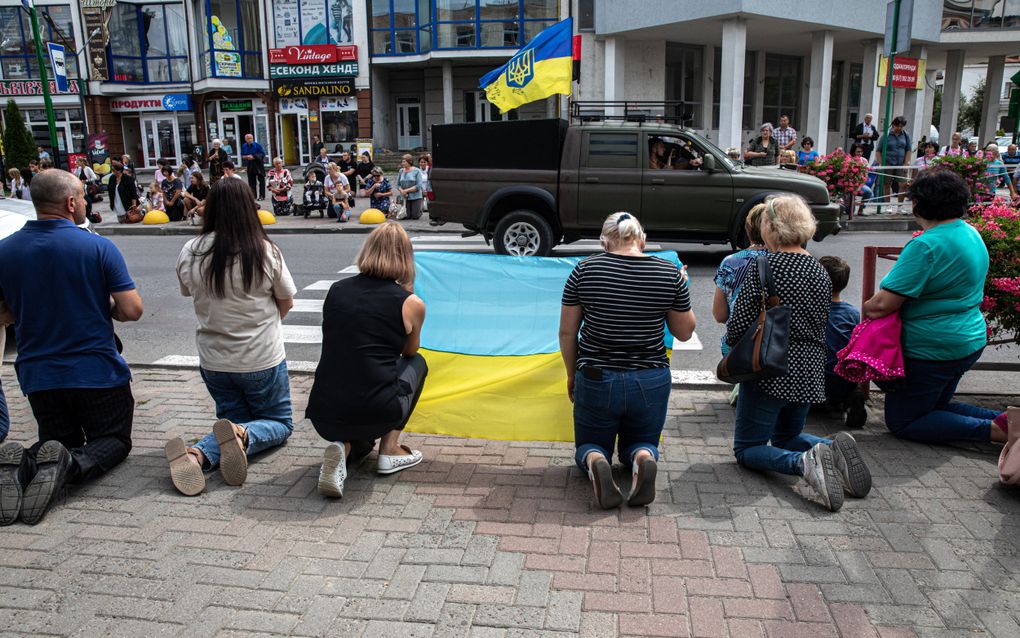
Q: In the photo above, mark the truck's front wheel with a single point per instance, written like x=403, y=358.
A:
x=523, y=233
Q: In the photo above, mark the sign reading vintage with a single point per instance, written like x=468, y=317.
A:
x=337, y=69
x=34, y=87
x=314, y=54
x=314, y=88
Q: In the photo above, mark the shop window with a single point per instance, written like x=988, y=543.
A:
x=339, y=127
x=478, y=109
x=684, y=77
x=458, y=24
x=782, y=89
x=233, y=39
x=70, y=133
x=585, y=15
x=17, y=54
x=148, y=43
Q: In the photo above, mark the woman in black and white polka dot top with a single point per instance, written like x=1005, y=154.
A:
x=774, y=410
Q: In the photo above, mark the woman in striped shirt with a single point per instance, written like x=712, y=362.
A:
x=617, y=371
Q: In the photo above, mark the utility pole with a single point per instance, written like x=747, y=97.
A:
x=43, y=79
x=889, y=93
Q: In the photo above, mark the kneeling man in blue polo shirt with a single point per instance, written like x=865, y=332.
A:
x=62, y=288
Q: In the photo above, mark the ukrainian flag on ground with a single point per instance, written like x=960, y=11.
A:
x=491, y=339
x=540, y=69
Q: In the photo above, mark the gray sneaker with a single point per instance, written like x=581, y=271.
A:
x=820, y=473
x=851, y=466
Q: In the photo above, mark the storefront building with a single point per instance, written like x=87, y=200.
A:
x=427, y=58
x=19, y=73
x=161, y=126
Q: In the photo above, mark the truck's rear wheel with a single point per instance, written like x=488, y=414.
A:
x=523, y=233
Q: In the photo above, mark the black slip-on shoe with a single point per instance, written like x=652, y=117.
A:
x=53, y=462
x=606, y=492
x=12, y=456
x=644, y=493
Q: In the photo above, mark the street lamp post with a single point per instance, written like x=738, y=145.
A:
x=43, y=78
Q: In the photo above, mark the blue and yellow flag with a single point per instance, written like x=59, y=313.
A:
x=491, y=340
x=540, y=69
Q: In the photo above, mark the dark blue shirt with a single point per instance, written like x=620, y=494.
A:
x=57, y=280
x=1011, y=160
x=843, y=318
x=253, y=149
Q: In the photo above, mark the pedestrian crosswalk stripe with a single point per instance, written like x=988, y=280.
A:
x=680, y=377
x=302, y=334
x=350, y=270
x=694, y=343
x=323, y=284
x=181, y=361
x=307, y=305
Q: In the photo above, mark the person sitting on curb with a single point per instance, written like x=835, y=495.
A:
x=64, y=288
x=241, y=290
x=370, y=374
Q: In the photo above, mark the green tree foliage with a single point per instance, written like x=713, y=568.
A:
x=970, y=108
x=19, y=146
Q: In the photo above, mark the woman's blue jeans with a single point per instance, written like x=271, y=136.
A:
x=5, y=417
x=920, y=406
x=258, y=401
x=627, y=407
x=762, y=419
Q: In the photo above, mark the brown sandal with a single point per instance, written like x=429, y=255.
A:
x=233, y=459
x=187, y=477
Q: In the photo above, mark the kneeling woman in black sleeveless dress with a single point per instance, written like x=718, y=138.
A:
x=370, y=374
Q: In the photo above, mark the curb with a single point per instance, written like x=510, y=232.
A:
x=879, y=224
x=172, y=230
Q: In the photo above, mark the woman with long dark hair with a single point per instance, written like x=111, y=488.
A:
x=241, y=290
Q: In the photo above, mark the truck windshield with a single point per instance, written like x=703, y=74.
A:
x=715, y=150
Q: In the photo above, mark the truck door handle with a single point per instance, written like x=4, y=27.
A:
x=591, y=180
x=658, y=180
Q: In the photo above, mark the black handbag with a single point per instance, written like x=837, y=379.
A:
x=763, y=350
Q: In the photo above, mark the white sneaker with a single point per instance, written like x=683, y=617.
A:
x=820, y=473
x=333, y=472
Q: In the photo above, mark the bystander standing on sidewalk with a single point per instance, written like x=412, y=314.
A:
x=254, y=157
x=410, y=183
x=63, y=288
x=785, y=135
x=241, y=290
x=896, y=147
x=617, y=372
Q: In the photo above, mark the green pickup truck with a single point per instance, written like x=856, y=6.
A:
x=529, y=185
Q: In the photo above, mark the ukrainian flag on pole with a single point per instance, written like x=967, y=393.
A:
x=542, y=68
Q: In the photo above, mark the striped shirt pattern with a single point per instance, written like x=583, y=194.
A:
x=625, y=300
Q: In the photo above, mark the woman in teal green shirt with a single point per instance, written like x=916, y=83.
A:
x=937, y=285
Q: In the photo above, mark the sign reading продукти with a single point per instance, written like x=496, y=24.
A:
x=149, y=103
x=314, y=54
x=336, y=69
x=314, y=88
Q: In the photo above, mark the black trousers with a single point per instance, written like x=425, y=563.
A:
x=94, y=424
x=411, y=373
x=255, y=175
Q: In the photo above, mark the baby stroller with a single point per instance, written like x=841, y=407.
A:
x=314, y=199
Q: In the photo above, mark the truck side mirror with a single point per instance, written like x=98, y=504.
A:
x=708, y=163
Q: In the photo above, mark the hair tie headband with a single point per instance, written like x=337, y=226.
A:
x=623, y=217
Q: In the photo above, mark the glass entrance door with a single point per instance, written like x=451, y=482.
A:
x=408, y=123
x=161, y=139
x=229, y=136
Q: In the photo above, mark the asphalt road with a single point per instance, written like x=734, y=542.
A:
x=167, y=329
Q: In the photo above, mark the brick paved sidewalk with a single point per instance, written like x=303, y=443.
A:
x=490, y=538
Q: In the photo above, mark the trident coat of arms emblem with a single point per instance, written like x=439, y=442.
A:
x=520, y=69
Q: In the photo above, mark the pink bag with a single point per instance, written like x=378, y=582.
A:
x=1009, y=459
x=873, y=352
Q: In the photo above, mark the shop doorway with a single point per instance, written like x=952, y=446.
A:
x=409, y=123
x=294, y=138
x=132, y=128
x=160, y=138
x=234, y=128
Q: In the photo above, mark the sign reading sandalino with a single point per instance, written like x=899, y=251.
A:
x=148, y=103
x=314, y=88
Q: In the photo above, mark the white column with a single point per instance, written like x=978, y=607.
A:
x=820, y=79
x=731, y=83
x=913, y=105
x=953, y=80
x=447, y=92
x=707, y=90
x=870, y=92
x=615, y=72
x=993, y=92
